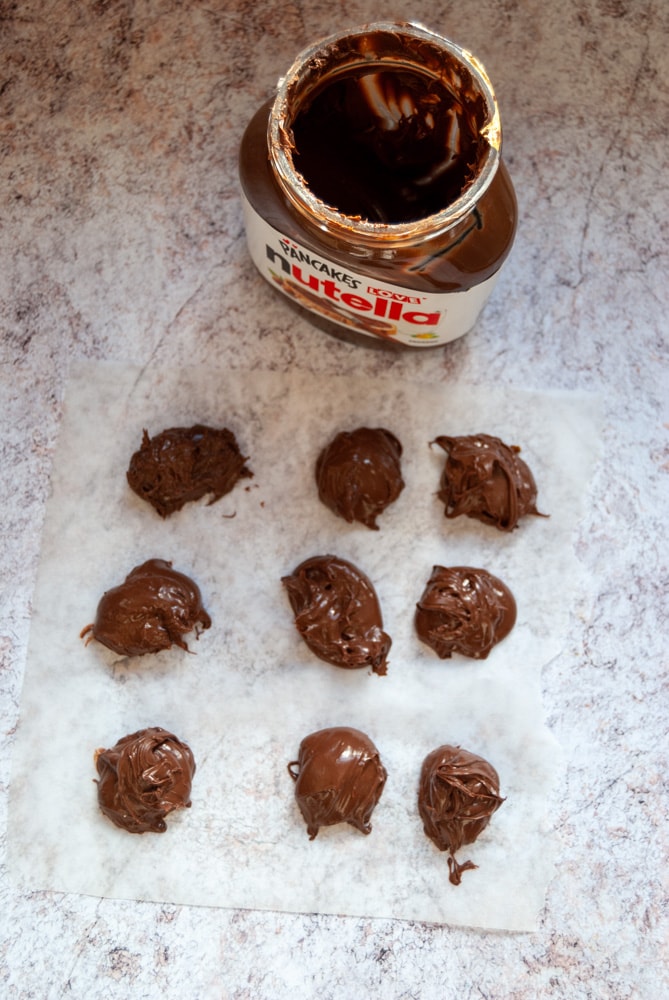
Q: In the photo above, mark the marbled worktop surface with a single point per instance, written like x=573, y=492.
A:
x=122, y=240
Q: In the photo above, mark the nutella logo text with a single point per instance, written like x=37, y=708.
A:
x=369, y=303
x=380, y=303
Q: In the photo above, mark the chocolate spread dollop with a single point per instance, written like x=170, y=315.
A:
x=151, y=610
x=359, y=474
x=337, y=613
x=485, y=479
x=457, y=794
x=464, y=610
x=142, y=779
x=338, y=778
x=186, y=463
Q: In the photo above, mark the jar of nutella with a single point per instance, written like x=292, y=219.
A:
x=373, y=187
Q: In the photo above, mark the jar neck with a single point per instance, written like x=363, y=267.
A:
x=380, y=52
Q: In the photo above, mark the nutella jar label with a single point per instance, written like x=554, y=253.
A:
x=356, y=301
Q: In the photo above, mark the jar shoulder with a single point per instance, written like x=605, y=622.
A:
x=454, y=260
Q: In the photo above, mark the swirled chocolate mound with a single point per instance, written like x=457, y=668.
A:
x=338, y=778
x=485, y=479
x=457, y=795
x=150, y=611
x=464, y=610
x=185, y=463
x=337, y=613
x=358, y=474
x=142, y=779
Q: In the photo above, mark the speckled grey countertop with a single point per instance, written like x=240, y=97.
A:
x=121, y=239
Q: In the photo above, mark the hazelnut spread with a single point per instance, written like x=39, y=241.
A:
x=338, y=778
x=151, y=610
x=185, y=463
x=485, y=479
x=387, y=146
x=337, y=613
x=373, y=188
x=464, y=610
x=142, y=779
x=457, y=794
x=358, y=474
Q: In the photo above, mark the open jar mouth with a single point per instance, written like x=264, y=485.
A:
x=375, y=49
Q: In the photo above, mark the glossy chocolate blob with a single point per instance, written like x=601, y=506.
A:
x=388, y=146
x=337, y=613
x=150, y=611
x=183, y=464
x=464, y=610
x=457, y=795
x=338, y=778
x=359, y=474
x=142, y=779
x=485, y=479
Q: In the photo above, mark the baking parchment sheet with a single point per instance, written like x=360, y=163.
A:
x=249, y=690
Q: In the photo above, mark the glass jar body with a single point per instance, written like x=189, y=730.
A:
x=423, y=289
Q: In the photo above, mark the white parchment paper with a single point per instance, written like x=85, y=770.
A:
x=250, y=690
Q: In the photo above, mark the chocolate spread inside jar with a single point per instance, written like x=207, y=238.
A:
x=374, y=192
x=388, y=147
